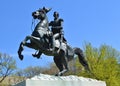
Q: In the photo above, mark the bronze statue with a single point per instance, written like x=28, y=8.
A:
x=40, y=40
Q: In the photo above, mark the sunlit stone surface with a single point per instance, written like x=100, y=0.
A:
x=50, y=80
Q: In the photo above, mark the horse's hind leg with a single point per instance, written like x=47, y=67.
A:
x=58, y=62
x=65, y=63
x=61, y=63
x=64, y=60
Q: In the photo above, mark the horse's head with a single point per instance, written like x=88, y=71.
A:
x=41, y=13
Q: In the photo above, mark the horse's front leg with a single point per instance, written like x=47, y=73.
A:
x=20, y=51
x=21, y=48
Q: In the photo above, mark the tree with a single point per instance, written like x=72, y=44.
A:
x=103, y=64
x=7, y=66
x=32, y=71
x=29, y=71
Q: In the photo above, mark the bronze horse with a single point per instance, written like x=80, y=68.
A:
x=39, y=40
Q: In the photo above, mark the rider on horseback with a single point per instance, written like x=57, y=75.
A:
x=57, y=29
x=40, y=42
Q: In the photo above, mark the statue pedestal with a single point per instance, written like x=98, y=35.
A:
x=49, y=80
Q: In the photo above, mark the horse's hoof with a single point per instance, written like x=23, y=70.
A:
x=58, y=74
x=36, y=55
x=21, y=57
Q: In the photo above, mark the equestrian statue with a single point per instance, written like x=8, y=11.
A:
x=51, y=42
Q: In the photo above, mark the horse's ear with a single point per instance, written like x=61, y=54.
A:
x=46, y=9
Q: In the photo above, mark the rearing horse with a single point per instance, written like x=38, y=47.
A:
x=39, y=40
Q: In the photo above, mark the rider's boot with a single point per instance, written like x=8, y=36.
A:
x=52, y=46
x=58, y=51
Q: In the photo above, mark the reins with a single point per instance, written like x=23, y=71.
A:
x=33, y=24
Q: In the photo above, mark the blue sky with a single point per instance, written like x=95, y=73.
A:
x=94, y=21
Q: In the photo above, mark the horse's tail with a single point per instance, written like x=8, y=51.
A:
x=81, y=57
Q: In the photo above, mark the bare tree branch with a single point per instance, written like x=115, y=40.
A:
x=7, y=65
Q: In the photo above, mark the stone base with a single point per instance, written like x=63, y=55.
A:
x=49, y=80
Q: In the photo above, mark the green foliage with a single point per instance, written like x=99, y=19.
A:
x=103, y=64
